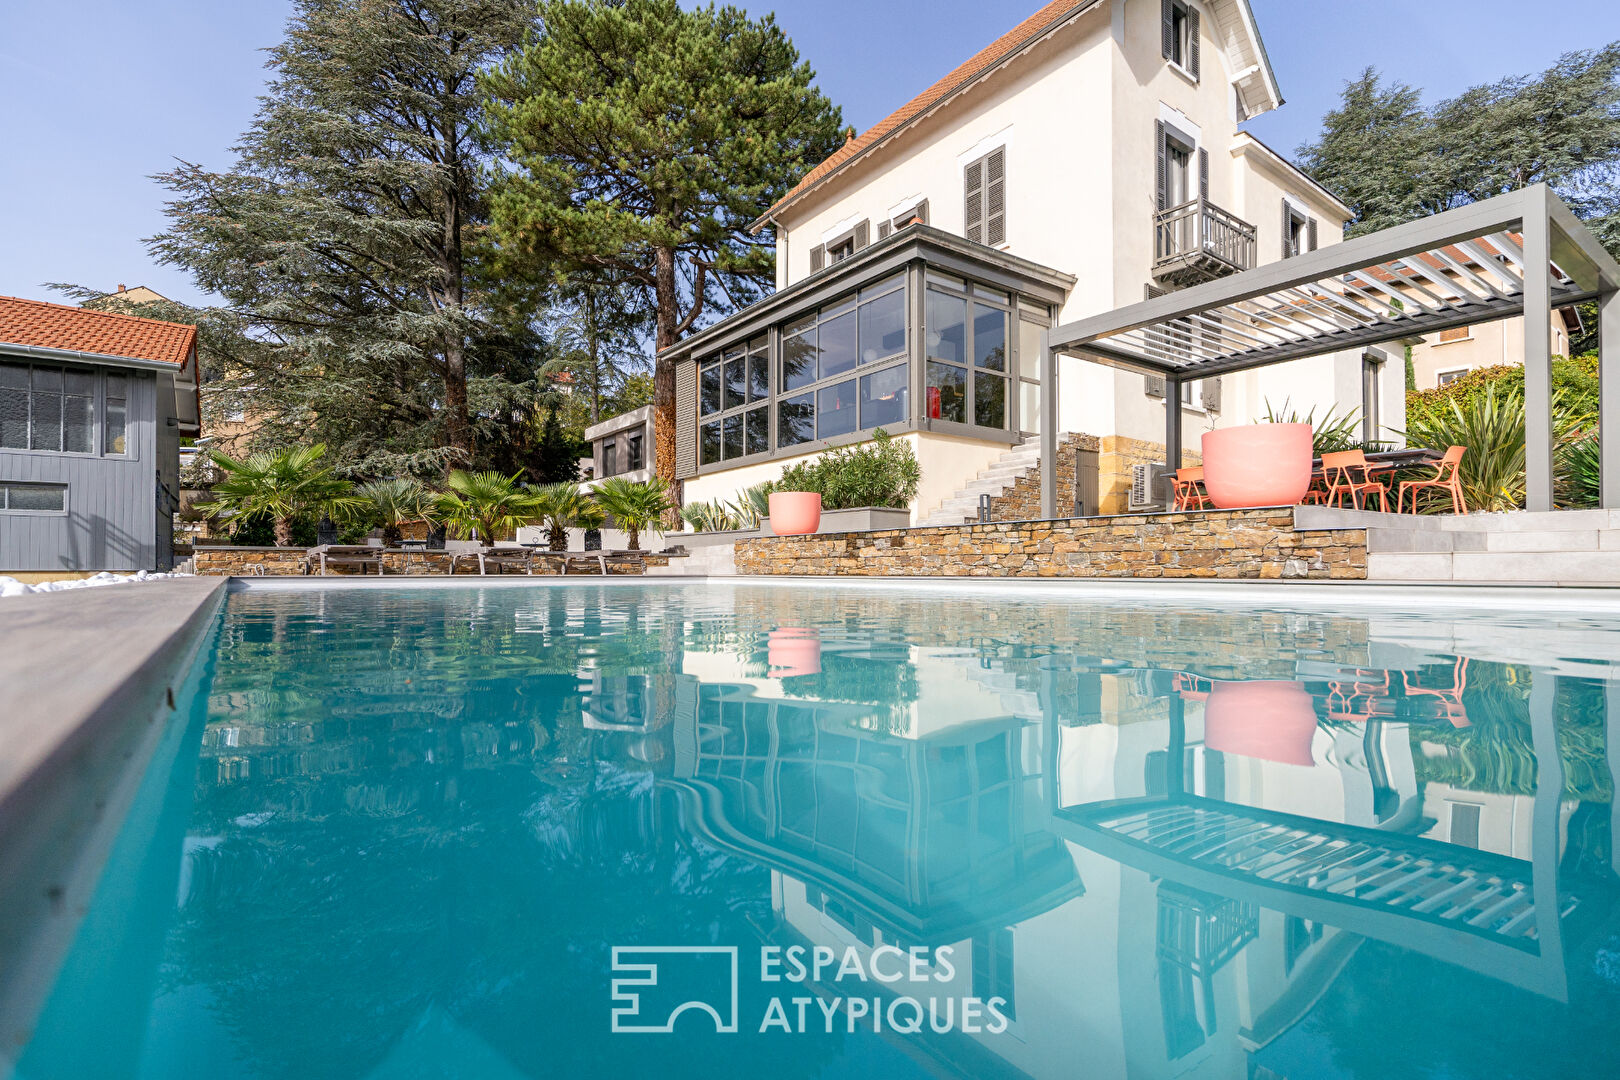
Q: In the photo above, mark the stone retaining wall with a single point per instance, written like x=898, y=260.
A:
x=1246, y=544
x=289, y=562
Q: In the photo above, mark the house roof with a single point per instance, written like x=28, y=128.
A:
x=74, y=329
x=1050, y=16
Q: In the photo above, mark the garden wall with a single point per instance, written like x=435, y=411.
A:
x=1237, y=544
x=215, y=561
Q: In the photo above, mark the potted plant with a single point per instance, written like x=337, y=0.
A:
x=795, y=513
x=634, y=505
x=1266, y=464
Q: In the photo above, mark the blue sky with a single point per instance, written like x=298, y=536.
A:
x=100, y=95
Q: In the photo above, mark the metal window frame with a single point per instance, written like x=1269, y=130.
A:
x=5, y=496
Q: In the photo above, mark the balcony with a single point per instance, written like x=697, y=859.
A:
x=1198, y=241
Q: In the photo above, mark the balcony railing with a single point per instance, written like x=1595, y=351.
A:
x=1199, y=241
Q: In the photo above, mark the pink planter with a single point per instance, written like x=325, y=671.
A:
x=792, y=651
x=795, y=513
x=1270, y=720
x=1257, y=465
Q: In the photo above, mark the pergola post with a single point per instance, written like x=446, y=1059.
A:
x=1538, y=470
x=1049, y=433
x=1609, y=399
x=1172, y=432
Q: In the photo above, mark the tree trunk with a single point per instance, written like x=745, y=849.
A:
x=633, y=535
x=664, y=371
x=458, y=428
x=283, y=532
x=557, y=538
x=596, y=363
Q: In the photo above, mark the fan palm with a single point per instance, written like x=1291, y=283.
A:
x=487, y=504
x=634, y=505
x=561, y=507
x=396, y=501
x=282, y=486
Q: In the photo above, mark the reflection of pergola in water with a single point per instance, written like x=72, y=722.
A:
x=1517, y=254
x=924, y=838
x=1500, y=916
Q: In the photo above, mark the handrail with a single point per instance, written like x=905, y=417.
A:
x=1199, y=227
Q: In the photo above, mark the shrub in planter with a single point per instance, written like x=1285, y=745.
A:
x=883, y=472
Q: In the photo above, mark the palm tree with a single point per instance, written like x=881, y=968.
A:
x=561, y=507
x=396, y=501
x=282, y=486
x=634, y=505
x=485, y=503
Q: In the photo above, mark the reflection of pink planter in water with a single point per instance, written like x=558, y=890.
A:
x=795, y=513
x=1257, y=464
x=1273, y=721
x=794, y=650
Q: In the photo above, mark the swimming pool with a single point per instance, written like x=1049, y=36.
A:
x=746, y=830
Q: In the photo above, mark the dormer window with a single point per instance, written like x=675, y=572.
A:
x=842, y=250
x=1180, y=34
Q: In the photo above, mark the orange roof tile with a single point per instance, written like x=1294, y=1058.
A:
x=998, y=50
x=58, y=326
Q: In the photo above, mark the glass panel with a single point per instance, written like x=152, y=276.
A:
x=117, y=385
x=836, y=410
x=37, y=497
x=633, y=459
x=837, y=345
x=936, y=278
x=883, y=286
x=709, y=443
x=78, y=416
x=1029, y=349
x=991, y=294
x=709, y=394
x=990, y=337
x=47, y=418
x=48, y=379
x=947, y=319
x=883, y=397
x=81, y=382
x=796, y=420
x=759, y=376
x=757, y=433
x=947, y=393
x=799, y=360
x=883, y=327
x=736, y=382
x=14, y=418
x=989, y=400
x=733, y=434
x=113, y=442
x=1029, y=406
x=610, y=458
x=14, y=376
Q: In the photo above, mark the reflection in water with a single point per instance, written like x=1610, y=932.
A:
x=409, y=827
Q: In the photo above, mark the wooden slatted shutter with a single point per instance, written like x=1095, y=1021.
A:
x=1153, y=384
x=884, y=229
x=1310, y=233
x=1167, y=20
x=973, y=201
x=1203, y=174
x=1192, y=41
x=863, y=233
x=995, y=198
x=1160, y=150
x=1287, y=229
x=818, y=257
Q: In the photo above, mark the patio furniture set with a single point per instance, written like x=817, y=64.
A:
x=1356, y=476
x=489, y=559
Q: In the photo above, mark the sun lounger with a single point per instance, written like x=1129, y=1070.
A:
x=360, y=555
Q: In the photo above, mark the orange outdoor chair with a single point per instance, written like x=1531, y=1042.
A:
x=1444, y=478
x=1349, y=473
x=1190, y=494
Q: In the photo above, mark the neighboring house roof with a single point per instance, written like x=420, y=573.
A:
x=1049, y=18
x=74, y=329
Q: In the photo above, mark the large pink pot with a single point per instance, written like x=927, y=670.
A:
x=1270, y=720
x=1257, y=465
x=795, y=513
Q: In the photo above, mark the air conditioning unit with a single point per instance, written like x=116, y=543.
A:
x=1147, y=487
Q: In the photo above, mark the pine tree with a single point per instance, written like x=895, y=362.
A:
x=343, y=237
x=646, y=139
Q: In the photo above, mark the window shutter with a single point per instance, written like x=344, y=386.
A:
x=1310, y=233
x=1210, y=391
x=1203, y=174
x=1287, y=227
x=995, y=198
x=863, y=234
x=1192, y=41
x=921, y=213
x=973, y=201
x=1153, y=384
x=1163, y=196
x=818, y=257
x=1167, y=21
x=883, y=230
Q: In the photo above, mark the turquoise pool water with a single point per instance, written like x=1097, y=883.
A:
x=516, y=832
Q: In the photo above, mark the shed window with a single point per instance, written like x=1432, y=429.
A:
x=19, y=498
x=44, y=407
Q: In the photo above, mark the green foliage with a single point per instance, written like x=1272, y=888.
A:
x=556, y=458
x=1577, y=471
x=634, y=505
x=279, y=486
x=743, y=512
x=395, y=501
x=561, y=507
x=883, y=472
x=1329, y=435
x=486, y=503
x=1574, y=380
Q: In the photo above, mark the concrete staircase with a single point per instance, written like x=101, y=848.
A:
x=994, y=481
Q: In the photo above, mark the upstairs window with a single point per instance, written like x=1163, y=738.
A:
x=842, y=247
x=1180, y=35
x=1298, y=231
x=984, y=197
x=633, y=459
x=917, y=215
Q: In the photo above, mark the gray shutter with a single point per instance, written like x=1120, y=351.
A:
x=883, y=230
x=1153, y=384
x=1310, y=233
x=818, y=257
x=1167, y=28
x=1192, y=41
x=1203, y=174
x=1211, y=394
x=1163, y=196
x=863, y=233
x=686, y=407
x=1287, y=224
x=973, y=201
x=995, y=198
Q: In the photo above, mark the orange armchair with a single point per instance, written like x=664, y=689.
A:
x=1349, y=473
x=1444, y=478
x=1190, y=494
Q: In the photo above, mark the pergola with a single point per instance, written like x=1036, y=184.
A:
x=1523, y=253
